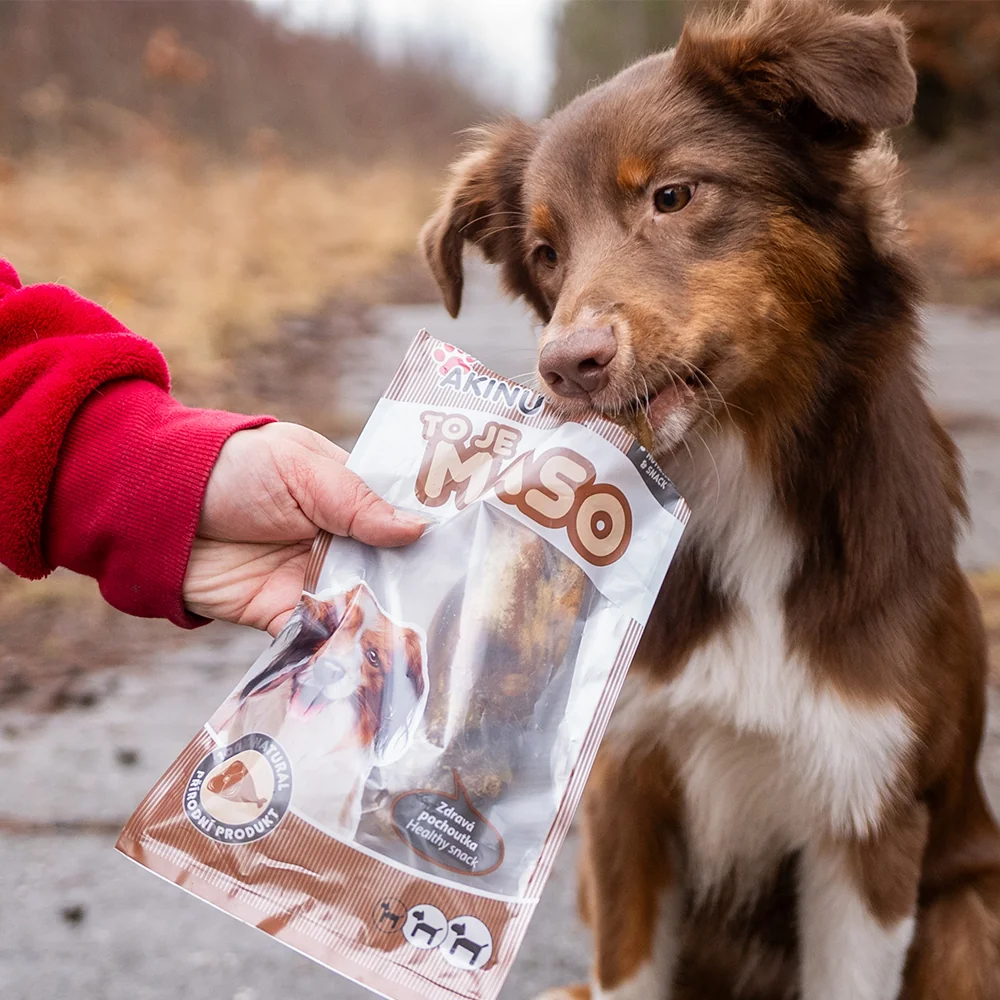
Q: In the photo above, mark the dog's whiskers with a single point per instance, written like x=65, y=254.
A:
x=715, y=465
x=673, y=379
x=493, y=232
x=490, y=215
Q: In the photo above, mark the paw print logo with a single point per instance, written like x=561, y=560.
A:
x=448, y=356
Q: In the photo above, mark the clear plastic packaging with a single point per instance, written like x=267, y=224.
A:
x=387, y=787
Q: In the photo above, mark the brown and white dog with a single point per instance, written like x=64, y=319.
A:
x=787, y=803
x=346, y=693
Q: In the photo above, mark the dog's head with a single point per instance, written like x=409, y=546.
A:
x=692, y=228
x=349, y=649
x=374, y=661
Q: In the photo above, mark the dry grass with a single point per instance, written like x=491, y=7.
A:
x=953, y=212
x=987, y=587
x=117, y=77
x=208, y=260
x=966, y=229
x=191, y=255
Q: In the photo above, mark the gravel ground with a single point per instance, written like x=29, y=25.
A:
x=77, y=921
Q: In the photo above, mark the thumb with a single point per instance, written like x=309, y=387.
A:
x=339, y=501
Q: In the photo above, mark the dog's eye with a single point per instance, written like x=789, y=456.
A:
x=672, y=198
x=547, y=255
x=372, y=657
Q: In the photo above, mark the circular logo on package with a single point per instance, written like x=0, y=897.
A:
x=239, y=793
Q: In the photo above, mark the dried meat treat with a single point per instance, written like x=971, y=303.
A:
x=495, y=647
x=387, y=787
x=520, y=613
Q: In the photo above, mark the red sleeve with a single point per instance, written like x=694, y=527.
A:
x=103, y=472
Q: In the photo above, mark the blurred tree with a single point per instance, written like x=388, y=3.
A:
x=103, y=73
x=954, y=45
x=596, y=38
x=955, y=49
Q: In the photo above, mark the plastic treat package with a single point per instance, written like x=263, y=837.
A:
x=388, y=786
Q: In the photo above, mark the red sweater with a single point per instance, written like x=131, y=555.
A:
x=101, y=470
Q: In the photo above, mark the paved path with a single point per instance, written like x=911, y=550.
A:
x=964, y=366
x=78, y=922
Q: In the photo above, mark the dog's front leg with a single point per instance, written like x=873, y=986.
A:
x=630, y=891
x=857, y=910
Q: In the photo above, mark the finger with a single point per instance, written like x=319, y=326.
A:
x=276, y=624
x=339, y=501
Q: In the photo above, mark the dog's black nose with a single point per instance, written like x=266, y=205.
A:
x=326, y=672
x=575, y=363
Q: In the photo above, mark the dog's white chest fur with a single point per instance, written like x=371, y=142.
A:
x=770, y=756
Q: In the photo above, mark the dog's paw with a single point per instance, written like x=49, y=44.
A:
x=578, y=992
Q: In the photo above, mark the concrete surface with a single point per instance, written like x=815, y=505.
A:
x=78, y=922
x=963, y=361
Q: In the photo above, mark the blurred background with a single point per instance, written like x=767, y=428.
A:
x=242, y=183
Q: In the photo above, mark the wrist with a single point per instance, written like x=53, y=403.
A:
x=128, y=490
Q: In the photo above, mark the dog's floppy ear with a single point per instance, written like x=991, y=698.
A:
x=482, y=205
x=324, y=615
x=782, y=54
x=404, y=697
x=313, y=622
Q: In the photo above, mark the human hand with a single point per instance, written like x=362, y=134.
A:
x=270, y=490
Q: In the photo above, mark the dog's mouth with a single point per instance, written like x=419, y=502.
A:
x=316, y=687
x=659, y=417
x=670, y=403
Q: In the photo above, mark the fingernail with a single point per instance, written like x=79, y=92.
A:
x=410, y=520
